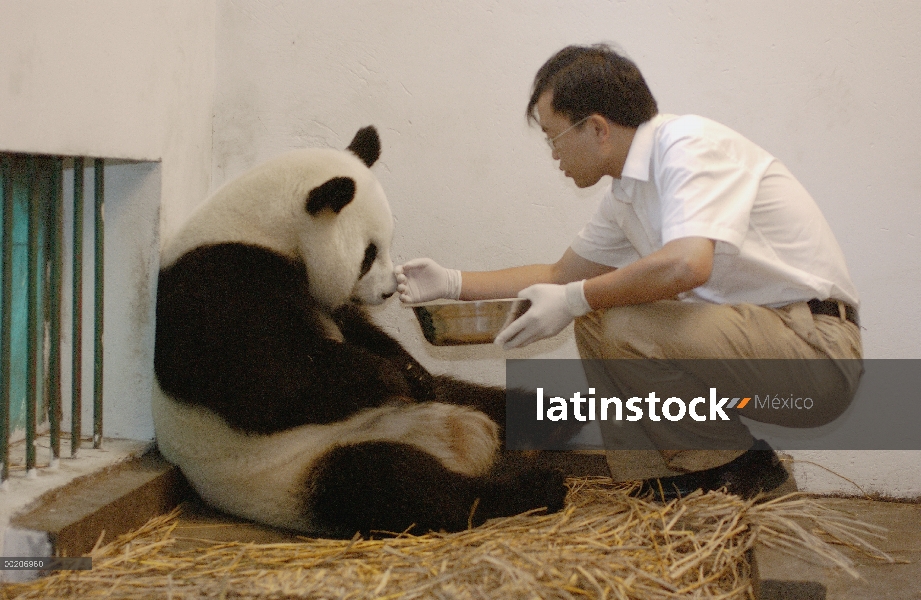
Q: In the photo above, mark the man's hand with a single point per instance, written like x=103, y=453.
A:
x=422, y=279
x=553, y=307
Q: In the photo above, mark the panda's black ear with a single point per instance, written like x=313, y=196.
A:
x=366, y=145
x=332, y=195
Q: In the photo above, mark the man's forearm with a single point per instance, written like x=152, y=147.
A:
x=504, y=283
x=679, y=266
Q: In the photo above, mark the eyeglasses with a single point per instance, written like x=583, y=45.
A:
x=550, y=141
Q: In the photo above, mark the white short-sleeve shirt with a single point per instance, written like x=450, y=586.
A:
x=690, y=176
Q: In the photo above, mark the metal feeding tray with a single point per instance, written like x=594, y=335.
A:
x=454, y=323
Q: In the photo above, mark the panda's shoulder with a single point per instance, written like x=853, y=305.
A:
x=234, y=264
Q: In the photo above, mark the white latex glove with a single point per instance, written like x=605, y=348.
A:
x=553, y=307
x=422, y=279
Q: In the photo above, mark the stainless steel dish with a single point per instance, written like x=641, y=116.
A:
x=453, y=323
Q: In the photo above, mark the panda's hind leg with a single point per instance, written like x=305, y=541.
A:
x=389, y=487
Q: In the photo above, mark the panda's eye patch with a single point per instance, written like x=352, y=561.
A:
x=370, y=256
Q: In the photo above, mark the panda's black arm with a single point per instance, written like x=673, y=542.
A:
x=260, y=382
x=362, y=334
x=358, y=330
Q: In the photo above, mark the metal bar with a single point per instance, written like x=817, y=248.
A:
x=98, y=256
x=55, y=279
x=76, y=400
x=6, y=314
x=44, y=182
x=32, y=349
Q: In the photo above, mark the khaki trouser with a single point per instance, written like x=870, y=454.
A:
x=670, y=329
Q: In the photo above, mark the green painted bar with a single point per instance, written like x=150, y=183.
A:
x=98, y=255
x=6, y=314
x=19, y=359
x=76, y=401
x=44, y=180
x=32, y=215
x=55, y=280
x=32, y=349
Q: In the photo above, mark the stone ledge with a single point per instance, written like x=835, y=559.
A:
x=68, y=521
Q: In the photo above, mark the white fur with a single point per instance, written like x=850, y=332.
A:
x=262, y=477
x=265, y=206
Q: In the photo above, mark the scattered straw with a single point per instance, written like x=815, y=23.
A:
x=605, y=544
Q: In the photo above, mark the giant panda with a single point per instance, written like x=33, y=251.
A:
x=278, y=398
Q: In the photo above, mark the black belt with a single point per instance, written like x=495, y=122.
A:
x=830, y=308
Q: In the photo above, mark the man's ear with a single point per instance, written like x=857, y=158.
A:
x=600, y=126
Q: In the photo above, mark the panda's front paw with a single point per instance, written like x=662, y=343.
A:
x=420, y=381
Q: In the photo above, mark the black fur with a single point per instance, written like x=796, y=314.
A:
x=238, y=332
x=358, y=330
x=366, y=145
x=401, y=487
x=333, y=195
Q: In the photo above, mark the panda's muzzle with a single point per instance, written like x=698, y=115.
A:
x=359, y=301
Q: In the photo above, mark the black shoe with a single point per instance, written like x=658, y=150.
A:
x=758, y=470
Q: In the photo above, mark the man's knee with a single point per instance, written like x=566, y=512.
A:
x=599, y=335
x=621, y=332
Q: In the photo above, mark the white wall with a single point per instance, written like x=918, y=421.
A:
x=830, y=88
x=125, y=79
x=130, y=79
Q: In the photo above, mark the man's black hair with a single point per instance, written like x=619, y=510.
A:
x=586, y=80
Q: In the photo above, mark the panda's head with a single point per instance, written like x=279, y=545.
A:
x=323, y=207
x=347, y=229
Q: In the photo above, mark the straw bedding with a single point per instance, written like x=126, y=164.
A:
x=605, y=544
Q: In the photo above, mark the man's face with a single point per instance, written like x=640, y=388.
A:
x=575, y=147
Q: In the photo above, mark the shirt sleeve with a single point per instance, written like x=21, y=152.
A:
x=707, y=187
x=602, y=240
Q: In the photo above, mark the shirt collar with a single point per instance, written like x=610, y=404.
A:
x=639, y=157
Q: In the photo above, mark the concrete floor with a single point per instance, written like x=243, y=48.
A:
x=879, y=580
